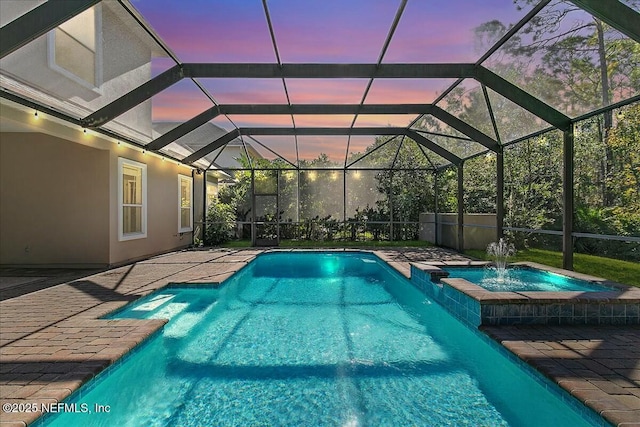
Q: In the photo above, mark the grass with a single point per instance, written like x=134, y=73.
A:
x=626, y=272
x=334, y=244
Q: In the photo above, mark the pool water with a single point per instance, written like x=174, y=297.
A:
x=522, y=279
x=314, y=339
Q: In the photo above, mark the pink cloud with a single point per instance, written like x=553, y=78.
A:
x=246, y=91
x=179, y=102
x=177, y=108
x=406, y=91
x=261, y=120
x=333, y=120
x=326, y=91
x=383, y=120
x=284, y=145
x=310, y=147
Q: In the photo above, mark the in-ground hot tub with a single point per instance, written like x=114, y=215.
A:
x=523, y=279
x=581, y=299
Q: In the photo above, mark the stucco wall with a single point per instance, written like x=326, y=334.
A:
x=477, y=237
x=59, y=198
x=198, y=208
x=124, y=55
x=54, y=203
x=162, y=208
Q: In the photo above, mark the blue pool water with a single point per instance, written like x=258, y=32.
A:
x=522, y=279
x=313, y=339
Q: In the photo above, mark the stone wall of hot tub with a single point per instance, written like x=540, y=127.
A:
x=477, y=306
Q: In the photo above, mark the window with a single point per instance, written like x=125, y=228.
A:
x=185, y=205
x=74, y=48
x=132, y=199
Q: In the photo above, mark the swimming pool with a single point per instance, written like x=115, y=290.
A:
x=522, y=279
x=317, y=339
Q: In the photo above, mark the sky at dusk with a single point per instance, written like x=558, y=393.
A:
x=308, y=32
x=314, y=31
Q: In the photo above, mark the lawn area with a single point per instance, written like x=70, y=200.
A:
x=335, y=244
x=619, y=271
x=356, y=244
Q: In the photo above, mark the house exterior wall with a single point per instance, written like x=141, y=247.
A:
x=162, y=208
x=199, y=206
x=60, y=185
x=59, y=196
x=54, y=206
x=124, y=62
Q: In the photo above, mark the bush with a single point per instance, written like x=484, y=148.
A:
x=607, y=221
x=221, y=224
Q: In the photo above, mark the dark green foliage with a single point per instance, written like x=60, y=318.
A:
x=575, y=63
x=480, y=184
x=221, y=224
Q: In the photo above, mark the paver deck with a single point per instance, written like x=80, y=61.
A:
x=52, y=340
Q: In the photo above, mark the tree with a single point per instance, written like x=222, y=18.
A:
x=221, y=224
x=408, y=186
x=573, y=61
x=533, y=183
x=321, y=188
x=480, y=184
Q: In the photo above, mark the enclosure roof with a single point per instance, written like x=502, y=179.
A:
x=292, y=80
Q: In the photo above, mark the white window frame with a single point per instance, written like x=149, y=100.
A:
x=51, y=57
x=131, y=236
x=189, y=179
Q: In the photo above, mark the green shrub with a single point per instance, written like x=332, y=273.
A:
x=221, y=224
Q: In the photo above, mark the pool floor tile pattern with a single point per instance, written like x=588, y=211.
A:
x=52, y=341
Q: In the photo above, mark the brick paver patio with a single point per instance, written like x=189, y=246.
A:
x=52, y=340
x=600, y=365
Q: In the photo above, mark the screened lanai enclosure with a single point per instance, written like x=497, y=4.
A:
x=357, y=120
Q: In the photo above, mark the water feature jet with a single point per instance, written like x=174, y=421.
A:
x=500, y=252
